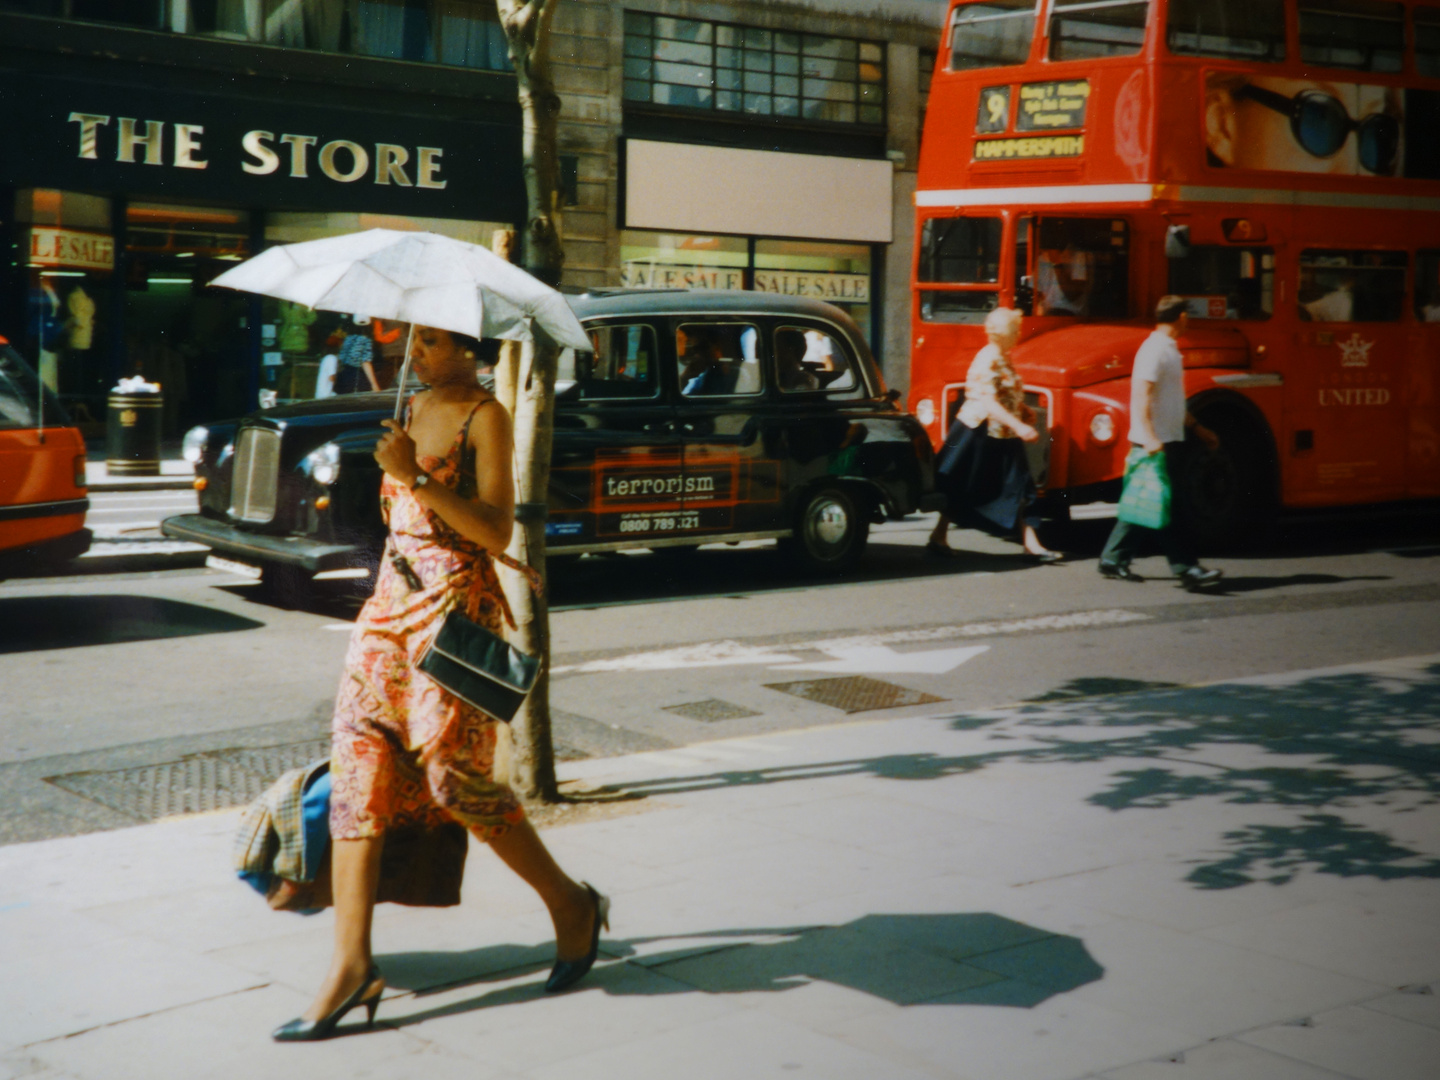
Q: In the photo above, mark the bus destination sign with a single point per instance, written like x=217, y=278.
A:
x=1036, y=146
x=1051, y=106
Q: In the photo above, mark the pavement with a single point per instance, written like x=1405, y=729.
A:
x=175, y=474
x=1237, y=880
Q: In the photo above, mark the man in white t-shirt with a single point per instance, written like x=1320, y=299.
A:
x=1158, y=419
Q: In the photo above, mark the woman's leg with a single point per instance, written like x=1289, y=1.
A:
x=571, y=909
x=937, y=534
x=1032, y=542
x=354, y=876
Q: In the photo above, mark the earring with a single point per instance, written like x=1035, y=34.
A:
x=469, y=355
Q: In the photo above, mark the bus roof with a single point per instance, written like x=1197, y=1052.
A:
x=1122, y=101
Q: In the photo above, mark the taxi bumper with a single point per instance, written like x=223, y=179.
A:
x=258, y=549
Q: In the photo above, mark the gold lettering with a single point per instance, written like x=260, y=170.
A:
x=90, y=123
x=299, y=154
x=428, y=167
x=187, y=142
x=359, y=160
x=153, y=141
x=266, y=160
x=390, y=164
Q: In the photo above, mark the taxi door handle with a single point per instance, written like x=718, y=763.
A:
x=660, y=427
x=687, y=428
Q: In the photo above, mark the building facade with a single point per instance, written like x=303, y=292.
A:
x=150, y=143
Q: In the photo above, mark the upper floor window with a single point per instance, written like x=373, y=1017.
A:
x=1089, y=29
x=696, y=64
x=992, y=33
x=1243, y=29
x=460, y=33
x=1368, y=35
x=1427, y=41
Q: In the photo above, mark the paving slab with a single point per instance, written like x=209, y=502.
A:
x=1357, y=1042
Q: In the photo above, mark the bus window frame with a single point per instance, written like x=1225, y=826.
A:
x=996, y=288
x=1405, y=309
x=1148, y=37
x=1038, y=12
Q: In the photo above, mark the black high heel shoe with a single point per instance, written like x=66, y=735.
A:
x=566, y=973
x=302, y=1030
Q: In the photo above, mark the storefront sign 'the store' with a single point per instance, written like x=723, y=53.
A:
x=155, y=142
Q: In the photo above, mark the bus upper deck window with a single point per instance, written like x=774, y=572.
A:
x=1243, y=29
x=1427, y=41
x=1352, y=286
x=1367, y=35
x=992, y=33
x=1082, y=267
x=1090, y=29
x=959, y=251
x=1224, y=282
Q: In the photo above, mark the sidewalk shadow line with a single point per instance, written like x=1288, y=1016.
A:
x=972, y=958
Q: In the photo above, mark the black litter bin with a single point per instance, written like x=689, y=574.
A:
x=132, y=434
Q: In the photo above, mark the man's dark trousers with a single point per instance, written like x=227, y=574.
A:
x=1174, y=540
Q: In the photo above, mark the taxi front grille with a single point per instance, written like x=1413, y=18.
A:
x=254, y=483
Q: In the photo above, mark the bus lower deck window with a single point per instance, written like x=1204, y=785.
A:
x=1351, y=286
x=1427, y=286
x=959, y=251
x=1082, y=267
x=1223, y=282
x=1090, y=29
x=1241, y=29
x=992, y=33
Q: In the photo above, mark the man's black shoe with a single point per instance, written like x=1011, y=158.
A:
x=1197, y=577
x=1117, y=572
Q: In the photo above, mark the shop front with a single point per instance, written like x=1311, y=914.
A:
x=791, y=224
x=119, y=203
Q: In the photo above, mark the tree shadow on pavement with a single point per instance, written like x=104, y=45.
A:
x=972, y=958
x=30, y=623
x=1324, y=748
x=1232, y=586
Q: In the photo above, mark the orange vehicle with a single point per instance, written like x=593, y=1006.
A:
x=42, y=473
x=1273, y=161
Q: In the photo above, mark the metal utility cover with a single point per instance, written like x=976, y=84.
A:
x=710, y=709
x=213, y=780
x=855, y=693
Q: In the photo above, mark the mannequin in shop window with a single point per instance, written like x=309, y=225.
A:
x=356, y=371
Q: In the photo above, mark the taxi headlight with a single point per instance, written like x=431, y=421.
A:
x=192, y=447
x=925, y=411
x=324, y=464
x=1102, y=428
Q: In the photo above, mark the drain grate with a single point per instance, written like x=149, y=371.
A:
x=213, y=780
x=710, y=709
x=855, y=693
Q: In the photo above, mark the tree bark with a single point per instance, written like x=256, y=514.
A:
x=527, y=29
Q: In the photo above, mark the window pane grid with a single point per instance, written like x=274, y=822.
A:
x=690, y=63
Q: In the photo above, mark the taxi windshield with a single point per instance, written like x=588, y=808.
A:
x=20, y=395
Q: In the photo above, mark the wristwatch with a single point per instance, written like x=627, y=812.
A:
x=420, y=481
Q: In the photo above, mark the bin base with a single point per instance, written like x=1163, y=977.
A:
x=132, y=468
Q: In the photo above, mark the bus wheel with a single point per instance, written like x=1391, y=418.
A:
x=1227, y=495
x=831, y=530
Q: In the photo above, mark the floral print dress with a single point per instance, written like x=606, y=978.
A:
x=404, y=751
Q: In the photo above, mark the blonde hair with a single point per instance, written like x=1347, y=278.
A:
x=1002, y=322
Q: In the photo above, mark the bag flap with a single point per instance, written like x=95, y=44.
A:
x=486, y=653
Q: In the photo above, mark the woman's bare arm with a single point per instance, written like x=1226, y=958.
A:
x=489, y=519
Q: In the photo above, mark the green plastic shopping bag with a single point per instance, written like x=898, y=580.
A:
x=1146, y=497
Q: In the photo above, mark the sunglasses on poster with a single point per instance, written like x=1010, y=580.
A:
x=1321, y=124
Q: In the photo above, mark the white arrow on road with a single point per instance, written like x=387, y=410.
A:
x=878, y=659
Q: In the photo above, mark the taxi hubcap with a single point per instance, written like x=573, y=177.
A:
x=829, y=523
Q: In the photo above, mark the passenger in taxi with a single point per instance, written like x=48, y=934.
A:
x=711, y=360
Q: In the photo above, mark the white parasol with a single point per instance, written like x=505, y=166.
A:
x=413, y=277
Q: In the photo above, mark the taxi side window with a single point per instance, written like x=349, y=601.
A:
x=621, y=365
x=1352, y=286
x=811, y=360
x=718, y=359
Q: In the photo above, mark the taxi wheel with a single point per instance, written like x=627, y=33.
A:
x=831, y=530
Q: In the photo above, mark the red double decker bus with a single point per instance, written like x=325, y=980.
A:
x=1276, y=162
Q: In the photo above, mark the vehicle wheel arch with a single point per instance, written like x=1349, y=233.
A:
x=1245, y=472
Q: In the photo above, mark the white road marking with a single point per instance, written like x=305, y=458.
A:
x=729, y=653
x=881, y=659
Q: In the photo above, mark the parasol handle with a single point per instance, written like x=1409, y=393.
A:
x=404, y=375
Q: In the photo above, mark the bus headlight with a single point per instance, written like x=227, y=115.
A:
x=1102, y=428
x=925, y=411
x=324, y=464
x=192, y=447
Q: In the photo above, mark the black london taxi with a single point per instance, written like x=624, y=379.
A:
x=698, y=417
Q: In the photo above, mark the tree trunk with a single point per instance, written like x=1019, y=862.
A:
x=527, y=28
